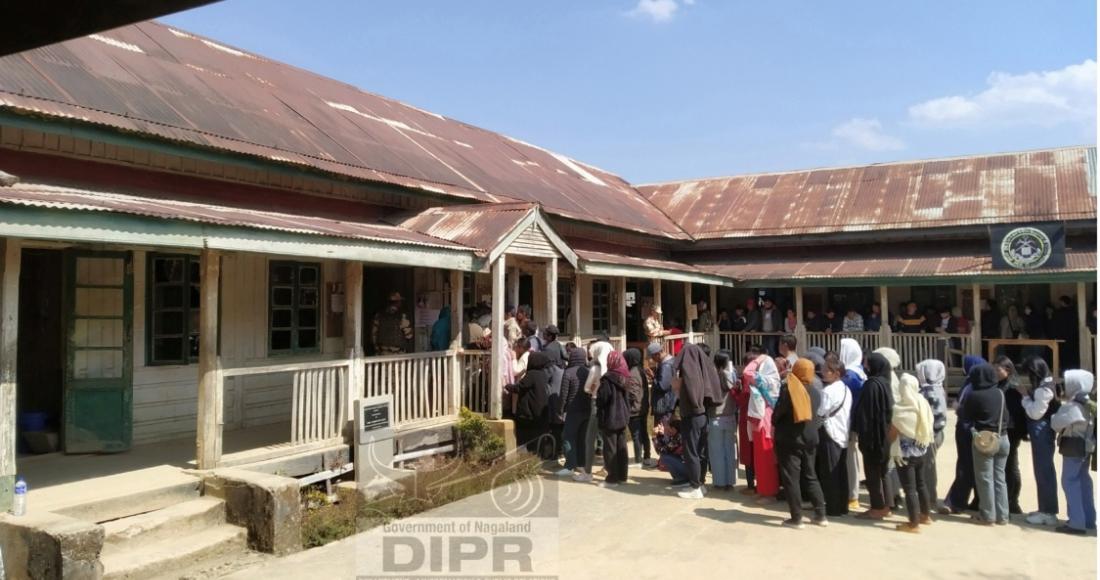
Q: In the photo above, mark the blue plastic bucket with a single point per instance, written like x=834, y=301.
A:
x=34, y=421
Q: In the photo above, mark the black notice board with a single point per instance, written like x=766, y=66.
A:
x=376, y=416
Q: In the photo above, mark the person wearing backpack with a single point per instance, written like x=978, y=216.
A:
x=1075, y=424
x=639, y=406
x=612, y=417
x=1040, y=403
x=986, y=411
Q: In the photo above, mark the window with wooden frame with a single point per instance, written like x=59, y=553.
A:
x=294, y=304
x=565, y=305
x=172, y=309
x=601, y=306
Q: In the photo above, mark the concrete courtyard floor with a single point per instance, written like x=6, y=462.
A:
x=642, y=530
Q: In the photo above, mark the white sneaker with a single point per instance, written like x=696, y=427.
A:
x=607, y=485
x=582, y=477
x=703, y=488
x=563, y=472
x=1042, y=519
x=696, y=493
x=649, y=462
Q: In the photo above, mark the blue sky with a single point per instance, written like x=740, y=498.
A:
x=658, y=90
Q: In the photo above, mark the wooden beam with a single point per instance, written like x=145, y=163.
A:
x=688, y=324
x=500, y=344
x=712, y=307
x=657, y=296
x=884, y=331
x=622, y=314
x=552, y=291
x=1083, y=342
x=576, y=330
x=9, y=343
x=353, y=336
x=457, y=318
x=976, y=323
x=210, y=420
x=800, y=325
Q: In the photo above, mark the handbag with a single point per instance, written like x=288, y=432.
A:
x=988, y=442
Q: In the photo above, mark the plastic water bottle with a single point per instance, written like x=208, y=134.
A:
x=19, y=504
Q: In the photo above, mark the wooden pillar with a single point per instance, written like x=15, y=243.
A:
x=457, y=308
x=576, y=309
x=210, y=406
x=552, y=292
x=622, y=314
x=1083, y=342
x=800, y=324
x=884, y=330
x=500, y=343
x=712, y=306
x=976, y=323
x=688, y=325
x=513, y=289
x=353, y=336
x=9, y=344
x=656, y=295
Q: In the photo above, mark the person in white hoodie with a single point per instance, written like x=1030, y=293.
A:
x=1075, y=425
x=1040, y=403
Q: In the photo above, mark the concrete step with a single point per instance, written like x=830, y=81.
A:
x=171, y=522
x=101, y=501
x=171, y=557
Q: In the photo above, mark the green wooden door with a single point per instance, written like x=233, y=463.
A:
x=98, y=414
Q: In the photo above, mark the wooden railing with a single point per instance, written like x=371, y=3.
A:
x=421, y=384
x=912, y=348
x=668, y=341
x=319, y=397
x=477, y=374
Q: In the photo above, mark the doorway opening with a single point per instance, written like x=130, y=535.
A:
x=40, y=371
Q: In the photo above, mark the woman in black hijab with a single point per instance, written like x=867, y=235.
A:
x=871, y=422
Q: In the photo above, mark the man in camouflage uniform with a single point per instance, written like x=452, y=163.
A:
x=392, y=332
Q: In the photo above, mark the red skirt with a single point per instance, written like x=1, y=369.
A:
x=767, y=471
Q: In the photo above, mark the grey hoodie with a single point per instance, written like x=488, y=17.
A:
x=1071, y=420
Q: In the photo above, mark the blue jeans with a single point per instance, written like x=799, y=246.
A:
x=1042, y=461
x=990, y=482
x=1077, y=483
x=676, y=467
x=573, y=437
x=722, y=452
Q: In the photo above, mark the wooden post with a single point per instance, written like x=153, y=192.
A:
x=577, y=308
x=210, y=380
x=457, y=322
x=353, y=338
x=712, y=306
x=552, y=292
x=513, y=289
x=1083, y=342
x=657, y=296
x=9, y=344
x=500, y=343
x=884, y=330
x=800, y=324
x=622, y=314
x=688, y=325
x=976, y=323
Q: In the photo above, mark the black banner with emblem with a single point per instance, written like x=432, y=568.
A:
x=1028, y=246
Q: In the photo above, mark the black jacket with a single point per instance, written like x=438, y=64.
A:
x=533, y=389
x=612, y=405
x=573, y=400
x=986, y=404
x=789, y=435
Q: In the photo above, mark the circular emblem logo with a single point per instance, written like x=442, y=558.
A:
x=1026, y=248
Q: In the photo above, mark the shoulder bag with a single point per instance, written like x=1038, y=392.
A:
x=989, y=442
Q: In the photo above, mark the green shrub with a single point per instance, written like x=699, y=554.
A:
x=477, y=442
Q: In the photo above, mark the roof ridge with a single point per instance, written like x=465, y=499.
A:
x=863, y=165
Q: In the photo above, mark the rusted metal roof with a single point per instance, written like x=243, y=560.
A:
x=881, y=265
x=161, y=82
x=60, y=197
x=480, y=226
x=1055, y=184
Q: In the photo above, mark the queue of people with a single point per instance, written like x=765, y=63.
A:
x=808, y=428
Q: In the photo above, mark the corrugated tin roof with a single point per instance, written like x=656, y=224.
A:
x=480, y=226
x=162, y=82
x=59, y=197
x=883, y=265
x=1054, y=184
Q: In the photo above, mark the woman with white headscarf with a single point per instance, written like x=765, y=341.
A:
x=597, y=352
x=851, y=356
x=912, y=426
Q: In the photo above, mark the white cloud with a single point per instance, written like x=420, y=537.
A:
x=1044, y=98
x=658, y=10
x=865, y=134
